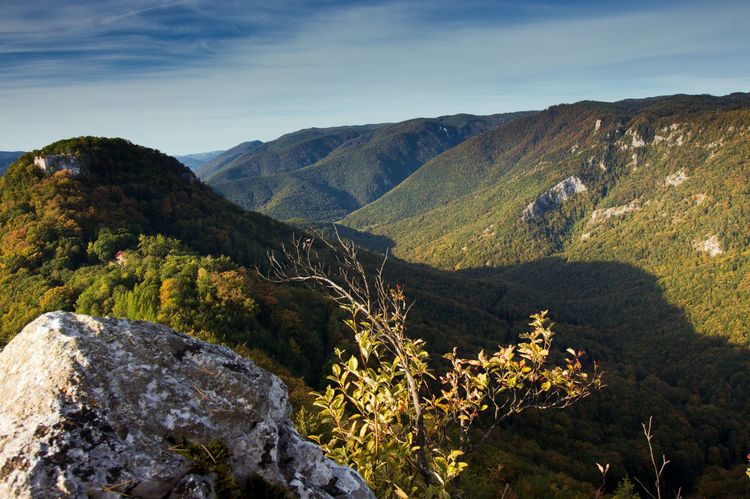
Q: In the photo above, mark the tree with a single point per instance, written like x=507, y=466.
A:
x=388, y=415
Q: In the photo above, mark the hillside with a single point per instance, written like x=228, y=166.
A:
x=226, y=158
x=7, y=158
x=660, y=184
x=116, y=229
x=323, y=174
x=120, y=230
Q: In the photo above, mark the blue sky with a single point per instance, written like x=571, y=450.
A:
x=188, y=76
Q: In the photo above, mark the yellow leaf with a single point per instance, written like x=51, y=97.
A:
x=400, y=493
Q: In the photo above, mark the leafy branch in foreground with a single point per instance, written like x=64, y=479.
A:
x=384, y=419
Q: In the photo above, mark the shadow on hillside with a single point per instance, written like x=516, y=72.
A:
x=627, y=305
x=655, y=364
x=372, y=242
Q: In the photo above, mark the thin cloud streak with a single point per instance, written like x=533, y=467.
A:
x=143, y=10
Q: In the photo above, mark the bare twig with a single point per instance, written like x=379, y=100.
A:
x=658, y=469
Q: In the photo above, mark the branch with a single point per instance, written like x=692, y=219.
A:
x=382, y=307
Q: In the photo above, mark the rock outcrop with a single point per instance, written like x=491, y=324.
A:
x=553, y=197
x=676, y=178
x=106, y=407
x=600, y=215
x=57, y=162
x=710, y=246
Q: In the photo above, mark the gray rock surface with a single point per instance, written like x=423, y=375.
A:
x=676, y=178
x=95, y=407
x=553, y=197
x=600, y=215
x=712, y=246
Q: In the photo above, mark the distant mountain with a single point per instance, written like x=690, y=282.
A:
x=7, y=158
x=323, y=174
x=195, y=161
x=226, y=157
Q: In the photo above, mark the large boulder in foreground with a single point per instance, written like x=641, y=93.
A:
x=95, y=407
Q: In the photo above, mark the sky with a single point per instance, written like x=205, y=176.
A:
x=188, y=76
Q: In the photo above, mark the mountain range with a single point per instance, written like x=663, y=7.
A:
x=323, y=174
x=627, y=220
x=661, y=184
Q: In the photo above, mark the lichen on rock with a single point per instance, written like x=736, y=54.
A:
x=94, y=407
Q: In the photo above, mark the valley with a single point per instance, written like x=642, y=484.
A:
x=626, y=220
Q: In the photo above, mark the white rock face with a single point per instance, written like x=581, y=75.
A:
x=599, y=216
x=634, y=161
x=676, y=178
x=553, y=197
x=710, y=246
x=94, y=407
x=597, y=125
x=57, y=162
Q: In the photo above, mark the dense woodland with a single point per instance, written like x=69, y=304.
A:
x=137, y=235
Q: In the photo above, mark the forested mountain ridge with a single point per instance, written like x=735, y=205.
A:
x=111, y=228
x=127, y=231
x=323, y=174
x=627, y=217
x=227, y=157
x=662, y=184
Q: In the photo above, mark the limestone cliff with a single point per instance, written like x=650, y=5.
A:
x=552, y=198
x=104, y=407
